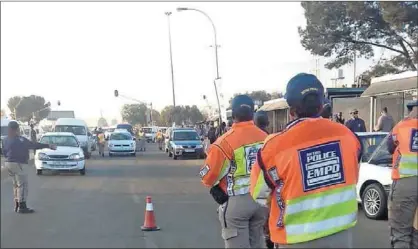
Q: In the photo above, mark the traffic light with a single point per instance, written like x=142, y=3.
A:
x=116, y=93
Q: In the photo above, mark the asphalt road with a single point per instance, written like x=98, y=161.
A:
x=105, y=208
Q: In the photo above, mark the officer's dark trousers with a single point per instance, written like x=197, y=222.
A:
x=18, y=172
x=403, y=201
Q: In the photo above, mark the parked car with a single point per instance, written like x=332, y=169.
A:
x=375, y=174
x=69, y=156
x=167, y=138
x=121, y=142
x=185, y=142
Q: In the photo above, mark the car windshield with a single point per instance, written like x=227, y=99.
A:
x=147, y=130
x=370, y=143
x=124, y=126
x=120, y=136
x=4, y=131
x=68, y=141
x=76, y=130
x=111, y=130
x=185, y=135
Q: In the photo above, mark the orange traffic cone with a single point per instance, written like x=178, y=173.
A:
x=149, y=222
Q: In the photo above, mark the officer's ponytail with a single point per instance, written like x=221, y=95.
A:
x=310, y=106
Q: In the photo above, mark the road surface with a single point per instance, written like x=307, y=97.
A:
x=105, y=208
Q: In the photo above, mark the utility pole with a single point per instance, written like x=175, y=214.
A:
x=168, y=14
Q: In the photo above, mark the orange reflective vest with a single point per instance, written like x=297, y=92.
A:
x=312, y=169
x=230, y=159
x=405, y=157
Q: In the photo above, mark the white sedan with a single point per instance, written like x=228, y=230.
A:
x=375, y=174
x=121, y=142
x=68, y=156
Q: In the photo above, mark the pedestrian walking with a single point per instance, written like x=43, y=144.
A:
x=33, y=136
x=212, y=133
x=313, y=202
x=385, y=122
x=101, y=141
x=16, y=151
x=403, y=197
x=339, y=118
x=160, y=139
x=227, y=173
x=142, y=140
x=355, y=124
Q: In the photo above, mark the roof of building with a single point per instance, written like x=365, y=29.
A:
x=388, y=85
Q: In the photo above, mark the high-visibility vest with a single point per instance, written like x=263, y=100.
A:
x=405, y=157
x=101, y=138
x=312, y=169
x=230, y=159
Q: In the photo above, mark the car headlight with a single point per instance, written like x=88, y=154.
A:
x=43, y=156
x=132, y=144
x=178, y=146
x=110, y=145
x=75, y=156
x=199, y=146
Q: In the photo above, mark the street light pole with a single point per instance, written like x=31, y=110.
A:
x=216, y=56
x=168, y=14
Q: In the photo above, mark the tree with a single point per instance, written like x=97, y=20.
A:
x=340, y=29
x=114, y=122
x=260, y=95
x=134, y=114
x=102, y=122
x=180, y=115
x=26, y=108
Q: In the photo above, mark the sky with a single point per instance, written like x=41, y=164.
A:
x=79, y=53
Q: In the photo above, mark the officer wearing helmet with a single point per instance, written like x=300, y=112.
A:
x=403, y=196
x=227, y=173
x=311, y=168
x=16, y=151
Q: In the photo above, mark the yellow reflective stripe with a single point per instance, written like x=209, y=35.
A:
x=240, y=162
x=324, y=199
x=410, y=172
x=320, y=226
x=259, y=185
x=320, y=194
x=224, y=170
x=300, y=238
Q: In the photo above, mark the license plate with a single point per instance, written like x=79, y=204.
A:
x=189, y=150
x=59, y=163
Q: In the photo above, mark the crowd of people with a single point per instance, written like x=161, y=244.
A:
x=282, y=185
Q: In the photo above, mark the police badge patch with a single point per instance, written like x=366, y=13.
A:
x=321, y=166
x=204, y=171
x=414, y=140
x=273, y=174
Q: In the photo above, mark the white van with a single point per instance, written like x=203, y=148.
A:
x=4, y=124
x=79, y=128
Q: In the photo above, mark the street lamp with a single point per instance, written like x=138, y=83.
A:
x=168, y=14
x=216, y=55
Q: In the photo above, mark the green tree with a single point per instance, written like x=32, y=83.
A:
x=25, y=108
x=340, y=29
x=260, y=95
x=102, y=122
x=180, y=114
x=114, y=122
x=134, y=114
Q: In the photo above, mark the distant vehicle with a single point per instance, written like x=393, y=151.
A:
x=108, y=131
x=150, y=133
x=167, y=138
x=127, y=127
x=185, y=142
x=79, y=128
x=375, y=174
x=121, y=142
x=68, y=156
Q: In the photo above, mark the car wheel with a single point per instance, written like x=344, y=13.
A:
x=170, y=154
x=374, y=201
x=83, y=171
x=39, y=172
x=110, y=154
x=87, y=155
x=174, y=157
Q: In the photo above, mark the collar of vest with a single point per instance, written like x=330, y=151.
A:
x=298, y=120
x=243, y=124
